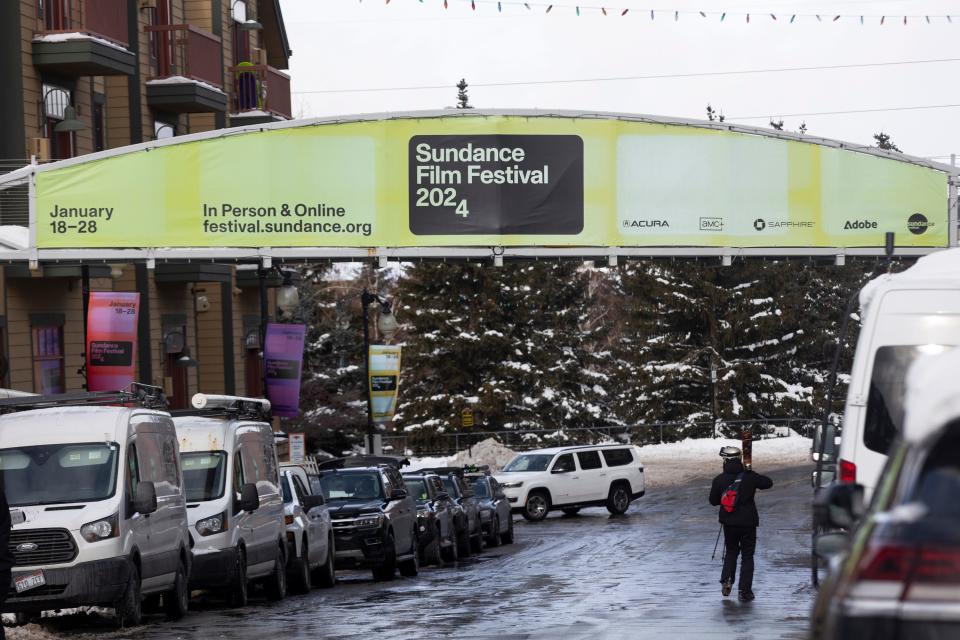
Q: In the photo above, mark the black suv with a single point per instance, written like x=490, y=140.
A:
x=496, y=517
x=374, y=519
x=469, y=531
x=436, y=517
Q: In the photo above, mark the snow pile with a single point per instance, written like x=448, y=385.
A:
x=76, y=35
x=488, y=452
x=675, y=463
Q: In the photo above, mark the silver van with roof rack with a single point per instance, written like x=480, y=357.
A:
x=97, y=503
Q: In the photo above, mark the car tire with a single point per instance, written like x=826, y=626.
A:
x=129, y=608
x=299, y=571
x=507, y=538
x=537, y=506
x=238, y=591
x=431, y=554
x=276, y=583
x=326, y=574
x=571, y=511
x=463, y=544
x=388, y=569
x=493, y=540
x=177, y=600
x=618, y=500
x=410, y=568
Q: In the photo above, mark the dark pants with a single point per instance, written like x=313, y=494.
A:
x=740, y=541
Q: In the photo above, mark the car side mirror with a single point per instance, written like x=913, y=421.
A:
x=838, y=506
x=309, y=502
x=830, y=544
x=560, y=470
x=145, y=498
x=398, y=494
x=249, y=498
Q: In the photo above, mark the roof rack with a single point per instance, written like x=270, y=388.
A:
x=355, y=462
x=476, y=469
x=142, y=395
x=233, y=407
x=443, y=471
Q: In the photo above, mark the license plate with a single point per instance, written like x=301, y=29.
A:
x=29, y=581
x=17, y=516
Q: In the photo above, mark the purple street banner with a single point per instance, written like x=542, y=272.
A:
x=111, y=340
x=283, y=359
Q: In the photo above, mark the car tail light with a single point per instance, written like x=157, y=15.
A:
x=848, y=471
x=895, y=571
x=936, y=576
x=883, y=571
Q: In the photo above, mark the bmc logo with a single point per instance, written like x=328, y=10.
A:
x=711, y=224
x=860, y=224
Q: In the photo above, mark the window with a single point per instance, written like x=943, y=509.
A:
x=48, y=370
x=437, y=485
x=59, y=473
x=57, y=101
x=99, y=125
x=254, y=469
x=617, y=457
x=939, y=482
x=529, y=462
x=564, y=463
x=168, y=456
x=299, y=489
x=238, y=477
x=589, y=459
x=203, y=474
x=417, y=488
x=480, y=488
x=55, y=14
x=150, y=458
x=133, y=469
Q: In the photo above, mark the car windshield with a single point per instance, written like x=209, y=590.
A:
x=480, y=488
x=203, y=474
x=451, y=487
x=59, y=473
x=285, y=489
x=351, y=486
x=530, y=462
x=417, y=488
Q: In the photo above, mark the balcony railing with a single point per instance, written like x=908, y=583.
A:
x=105, y=19
x=183, y=50
x=260, y=87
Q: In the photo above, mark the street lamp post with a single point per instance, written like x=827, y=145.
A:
x=387, y=324
x=713, y=383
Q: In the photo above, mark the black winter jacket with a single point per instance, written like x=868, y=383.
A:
x=745, y=513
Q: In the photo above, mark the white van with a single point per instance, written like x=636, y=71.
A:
x=904, y=316
x=234, y=504
x=97, y=503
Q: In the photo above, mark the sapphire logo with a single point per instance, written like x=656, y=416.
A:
x=759, y=224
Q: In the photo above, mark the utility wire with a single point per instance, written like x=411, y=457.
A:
x=701, y=74
x=849, y=111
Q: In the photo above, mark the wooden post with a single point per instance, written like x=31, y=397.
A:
x=747, y=440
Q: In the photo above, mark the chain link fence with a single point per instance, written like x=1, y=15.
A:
x=446, y=444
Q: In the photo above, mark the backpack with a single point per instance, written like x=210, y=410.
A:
x=731, y=496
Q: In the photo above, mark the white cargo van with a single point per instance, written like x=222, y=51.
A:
x=904, y=317
x=234, y=503
x=96, y=501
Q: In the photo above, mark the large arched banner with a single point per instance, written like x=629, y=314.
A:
x=490, y=180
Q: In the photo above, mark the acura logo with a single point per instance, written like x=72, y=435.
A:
x=27, y=546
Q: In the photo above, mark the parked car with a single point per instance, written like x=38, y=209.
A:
x=469, y=531
x=311, y=551
x=374, y=519
x=436, y=517
x=233, y=496
x=309, y=467
x=570, y=478
x=496, y=516
x=896, y=576
x=906, y=316
x=97, y=503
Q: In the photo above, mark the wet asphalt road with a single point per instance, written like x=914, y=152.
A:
x=647, y=574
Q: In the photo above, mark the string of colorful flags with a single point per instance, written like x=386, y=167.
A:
x=675, y=15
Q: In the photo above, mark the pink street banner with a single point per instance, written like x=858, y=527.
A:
x=283, y=359
x=111, y=340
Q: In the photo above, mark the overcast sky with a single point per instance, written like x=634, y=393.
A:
x=343, y=45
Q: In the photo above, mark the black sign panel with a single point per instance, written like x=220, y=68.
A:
x=109, y=353
x=496, y=185
x=283, y=369
x=383, y=383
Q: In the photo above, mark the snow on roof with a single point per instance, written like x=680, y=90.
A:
x=943, y=266
x=184, y=80
x=76, y=35
x=14, y=237
x=931, y=399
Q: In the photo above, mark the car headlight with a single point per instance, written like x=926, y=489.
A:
x=512, y=485
x=423, y=513
x=101, y=529
x=212, y=525
x=364, y=522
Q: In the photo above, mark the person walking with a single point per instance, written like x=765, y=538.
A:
x=733, y=491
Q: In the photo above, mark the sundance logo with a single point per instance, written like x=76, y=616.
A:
x=860, y=224
x=918, y=223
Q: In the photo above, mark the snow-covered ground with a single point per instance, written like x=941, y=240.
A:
x=669, y=464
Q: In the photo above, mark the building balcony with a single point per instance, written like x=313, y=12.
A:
x=77, y=38
x=261, y=94
x=186, y=70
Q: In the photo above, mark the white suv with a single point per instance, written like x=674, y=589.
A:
x=569, y=478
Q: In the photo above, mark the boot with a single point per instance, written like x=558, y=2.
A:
x=746, y=596
x=726, y=587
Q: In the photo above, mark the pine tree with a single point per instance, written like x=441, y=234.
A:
x=463, y=99
x=884, y=142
